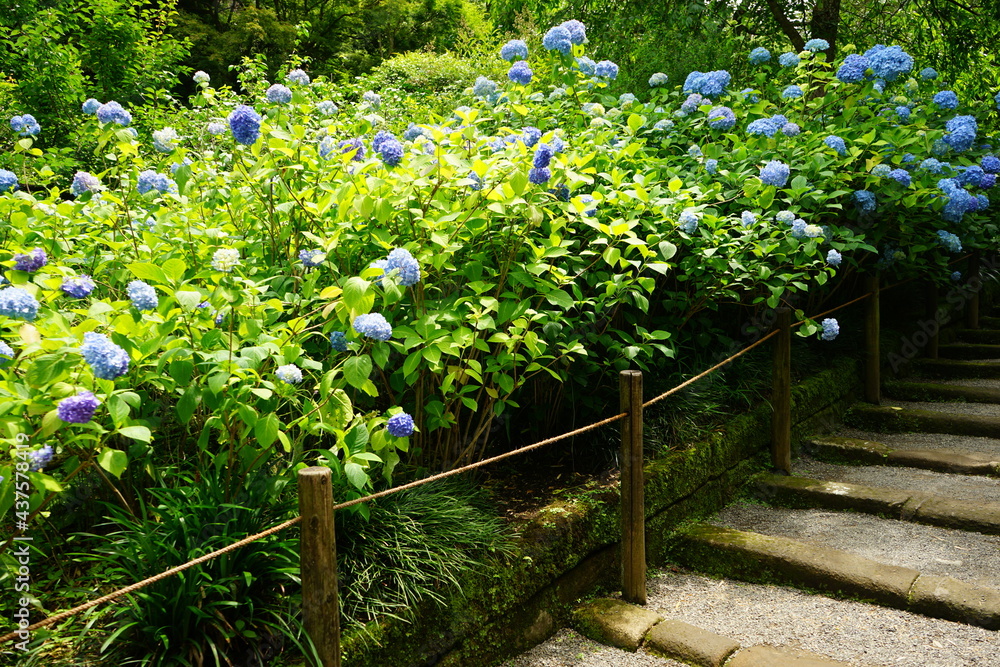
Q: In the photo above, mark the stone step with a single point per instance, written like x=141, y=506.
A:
x=981, y=336
x=956, y=369
x=928, y=418
x=938, y=391
x=904, y=504
x=989, y=322
x=969, y=351
x=855, y=451
x=759, y=557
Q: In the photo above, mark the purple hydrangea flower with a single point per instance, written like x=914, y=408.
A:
x=348, y=145
x=112, y=112
x=78, y=409
x=279, y=94
x=79, y=287
x=84, y=182
x=543, y=155
x=40, y=458
x=244, y=123
x=520, y=73
x=400, y=425
x=30, y=261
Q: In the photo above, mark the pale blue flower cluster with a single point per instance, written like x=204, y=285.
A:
x=401, y=260
x=958, y=200
x=961, y=132
x=836, y=143
x=84, y=182
x=625, y=99
x=142, y=295
x=245, y=124
x=165, y=140
x=831, y=328
x=928, y=73
x=950, y=241
x=388, y=147
x=721, y=118
x=833, y=258
x=79, y=287
x=201, y=77
x=903, y=113
x=689, y=220
x=748, y=218
x=91, y=106
x=577, y=31
x=889, y=62
x=400, y=425
x=215, y=128
x=6, y=353
x=792, y=92
x=107, y=360
x=530, y=136
x=484, y=88
x=327, y=108
x=373, y=325
x=520, y=73
x=881, y=170
x=513, y=50
x=901, y=176
x=775, y=173
x=112, y=112
x=558, y=39
x=348, y=145
x=297, y=77
x=815, y=45
x=589, y=199
x=18, y=304
x=40, y=458
x=946, y=99
x=711, y=166
x=150, y=180
x=693, y=101
x=289, y=374
x=790, y=129
x=25, y=126
x=933, y=166
x=864, y=201
x=658, y=79
x=853, y=69
x=586, y=66
x=78, y=409
x=788, y=59
x=759, y=56
x=311, y=258
x=606, y=70
x=709, y=84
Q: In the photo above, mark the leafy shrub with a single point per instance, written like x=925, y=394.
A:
x=424, y=72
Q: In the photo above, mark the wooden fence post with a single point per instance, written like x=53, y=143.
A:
x=932, y=315
x=873, y=379
x=781, y=399
x=972, y=309
x=318, y=561
x=633, y=504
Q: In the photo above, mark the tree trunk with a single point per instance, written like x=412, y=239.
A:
x=824, y=24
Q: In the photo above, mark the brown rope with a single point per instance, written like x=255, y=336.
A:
x=833, y=310
x=703, y=374
x=146, y=582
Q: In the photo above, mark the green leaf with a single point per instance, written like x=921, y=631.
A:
x=266, y=430
x=356, y=439
x=559, y=298
x=187, y=404
x=188, y=300
x=140, y=433
x=357, y=369
x=667, y=249
x=356, y=475
x=113, y=460
x=152, y=272
x=174, y=268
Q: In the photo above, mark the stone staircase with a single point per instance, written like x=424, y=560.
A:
x=893, y=521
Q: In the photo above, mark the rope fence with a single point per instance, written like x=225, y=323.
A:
x=633, y=526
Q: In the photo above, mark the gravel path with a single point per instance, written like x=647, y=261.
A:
x=568, y=649
x=960, y=487
x=968, y=556
x=986, y=383
x=978, y=409
x=925, y=440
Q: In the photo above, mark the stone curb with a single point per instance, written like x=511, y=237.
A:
x=907, y=505
x=755, y=557
x=853, y=451
x=681, y=641
x=771, y=656
x=981, y=336
x=969, y=351
x=958, y=370
x=614, y=622
x=902, y=420
x=929, y=391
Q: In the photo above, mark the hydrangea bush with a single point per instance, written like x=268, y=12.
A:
x=312, y=277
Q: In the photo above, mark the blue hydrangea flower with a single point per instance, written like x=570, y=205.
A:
x=853, y=69
x=988, y=181
x=836, y=143
x=6, y=353
x=711, y=166
x=112, y=112
x=933, y=166
x=792, y=92
x=928, y=73
x=150, y=180
x=693, y=101
x=289, y=374
x=165, y=140
x=539, y=175
x=903, y=113
x=996, y=99
x=606, y=70
x=297, y=77
x=30, y=261
x=18, y=304
x=961, y=132
x=721, y=118
x=477, y=181
x=790, y=129
x=558, y=39
x=311, y=258
x=543, y=155
x=530, y=135
x=816, y=45
x=25, y=126
x=786, y=217
x=881, y=170
x=142, y=295
x=586, y=66
x=215, y=128
x=484, y=87
x=279, y=94
x=373, y=325
x=625, y=99
x=658, y=79
x=958, y=201
x=749, y=96
x=8, y=181
x=40, y=458
x=833, y=258
x=245, y=124
x=788, y=59
x=764, y=126
x=391, y=151
x=107, y=360
x=401, y=260
x=372, y=98
x=799, y=228
x=689, y=220
x=889, y=62
x=348, y=145
x=400, y=425
x=91, y=106
x=327, y=108
x=577, y=31
x=990, y=164
x=864, y=201
x=79, y=287
x=663, y=125
x=513, y=50
x=694, y=151
x=84, y=182
x=338, y=341
x=972, y=176
x=946, y=99
x=901, y=176
x=956, y=276
x=759, y=56
x=775, y=173
x=748, y=218
x=950, y=241
x=831, y=328
x=520, y=73
x=78, y=409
